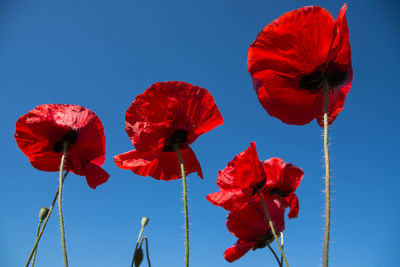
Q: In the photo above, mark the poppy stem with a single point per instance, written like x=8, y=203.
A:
x=137, y=244
x=276, y=256
x=327, y=175
x=185, y=206
x=44, y=224
x=147, y=251
x=272, y=227
x=37, y=234
x=280, y=265
x=60, y=213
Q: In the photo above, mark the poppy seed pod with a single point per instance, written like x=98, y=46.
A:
x=43, y=213
x=145, y=220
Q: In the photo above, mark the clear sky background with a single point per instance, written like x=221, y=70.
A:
x=102, y=53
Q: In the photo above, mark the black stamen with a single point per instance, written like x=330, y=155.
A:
x=336, y=78
x=179, y=137
x=265, y=240
x=70, y=137
x=312, y=81
x=278, y=192
x=259, y=186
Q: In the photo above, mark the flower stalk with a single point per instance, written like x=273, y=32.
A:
x=327, y=175
x=272, y=227
x=144, y=222
x=185, y=206
x=42, y=215
x=34, y=249
x=60, y=213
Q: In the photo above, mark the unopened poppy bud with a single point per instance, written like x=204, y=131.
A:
x=43, y=213
x=138, y=258
x=145, y=220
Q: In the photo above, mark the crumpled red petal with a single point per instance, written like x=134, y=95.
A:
x=251, y=227
x=293, y=202
x=231, y=199
x=166, y=107
x=244, y=171
x=159, y=164
x=250, y=223
x=282, y=175
x=95, y=175
x=238, y=250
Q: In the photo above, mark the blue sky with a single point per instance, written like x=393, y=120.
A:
x=101, y=54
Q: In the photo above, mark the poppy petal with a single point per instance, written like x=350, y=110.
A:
x=238, y=250
x=230, y=199
x=95, y=175
x=244, y=171
x=250, y=222
x=159, y=165
x=337, y=99
x=294, y=205
x=282, y=175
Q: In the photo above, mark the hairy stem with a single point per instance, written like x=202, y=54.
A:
x=282, y=248
x=185, y=206
x=37, y=234
x=60, y=213
x=44, y=224
x=272, y=227
x=327, y=175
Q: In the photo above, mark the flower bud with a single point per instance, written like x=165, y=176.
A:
x=145, y=220
x=43, y=213
x=138, y=257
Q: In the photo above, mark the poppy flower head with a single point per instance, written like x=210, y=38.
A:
x=239, y=180
x=41, y=133
x=167, y=116
x=282, y=181
x=251, y=227
x=292, y=57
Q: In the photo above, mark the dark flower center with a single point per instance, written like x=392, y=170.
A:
x=70, y=137
x=178, y=138
x=278, y=192
x=264, y=241
x=313, y=80
x=259, y=186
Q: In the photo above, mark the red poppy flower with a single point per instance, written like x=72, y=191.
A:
x=166, y=115
x=293, y=55
x=282, y=181
x=251, y=227
x=41, y=132
x=239, y=180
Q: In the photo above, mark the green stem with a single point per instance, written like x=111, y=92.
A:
x=327, y=175
x=37, y=234
x=272, y=227
x=60, y=213
x=137, y=244
x=282, y=248
x=276, y=256
x=147, y=249
x=185, y=206
x=44, y=225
